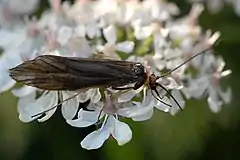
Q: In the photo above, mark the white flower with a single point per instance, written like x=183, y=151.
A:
x=111, y=45
x=8, y=60
x=160, y=10
x=153, y=38
x=111, y=126
x=209, y=81
x=28, y=111
x=28, y=106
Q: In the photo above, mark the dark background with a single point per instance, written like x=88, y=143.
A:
x=196, y=133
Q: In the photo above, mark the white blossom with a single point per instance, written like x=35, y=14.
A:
x=139, y=31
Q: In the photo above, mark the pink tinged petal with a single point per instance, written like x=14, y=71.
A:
x=110, y=34
x=43, y=103
x=95, y=139
x=125, y=47
x=80, y=30
x=6, y=82
x=109, y=107
x=70, y=107
x=85, y=119
x=122, y=132
x=64, y=34
x=23, y=91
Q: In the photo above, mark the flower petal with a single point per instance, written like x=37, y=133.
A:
x=122, y=132
x=25, y=101
x=142, y=32
x=213, y=100
x=70, y=107
x=95, y=139
x=6, y=82
x=161, y=106
x=226, y=96
x=64, y=34
x=214, y=105
x=43, y=103
x=97, y=96
x=127, y=96
x=92, y=30
x=80, y=30
x=175, y=108
x=126, y=46
x=86, y=118
x=198, y=86
x=110, y=34
x=145, y=115
x=23, y=91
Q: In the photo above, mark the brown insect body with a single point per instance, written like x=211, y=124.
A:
x=50, y=72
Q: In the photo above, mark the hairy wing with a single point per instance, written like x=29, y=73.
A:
x=61, y=73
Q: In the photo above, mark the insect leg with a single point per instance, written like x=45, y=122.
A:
x=56, y=105
x=170, y=96
x=160, y=99
x=124, y=88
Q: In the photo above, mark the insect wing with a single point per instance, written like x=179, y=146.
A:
x=61, y=73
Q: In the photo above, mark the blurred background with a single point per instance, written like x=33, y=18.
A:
x=196, y=133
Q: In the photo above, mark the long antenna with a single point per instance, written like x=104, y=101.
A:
x=171, y=96
x=204, y=51
x=56, y=105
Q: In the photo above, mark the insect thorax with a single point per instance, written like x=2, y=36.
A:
x=139, y=71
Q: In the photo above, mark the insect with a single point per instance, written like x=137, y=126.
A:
x=49, y=72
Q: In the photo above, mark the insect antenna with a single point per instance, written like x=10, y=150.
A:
x=202, y=52
x=56, y=105
x=167, y=73
x=165, y=89
x=159, y=99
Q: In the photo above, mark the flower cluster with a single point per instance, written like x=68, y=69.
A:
x=215, y=6
x=142, y=31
